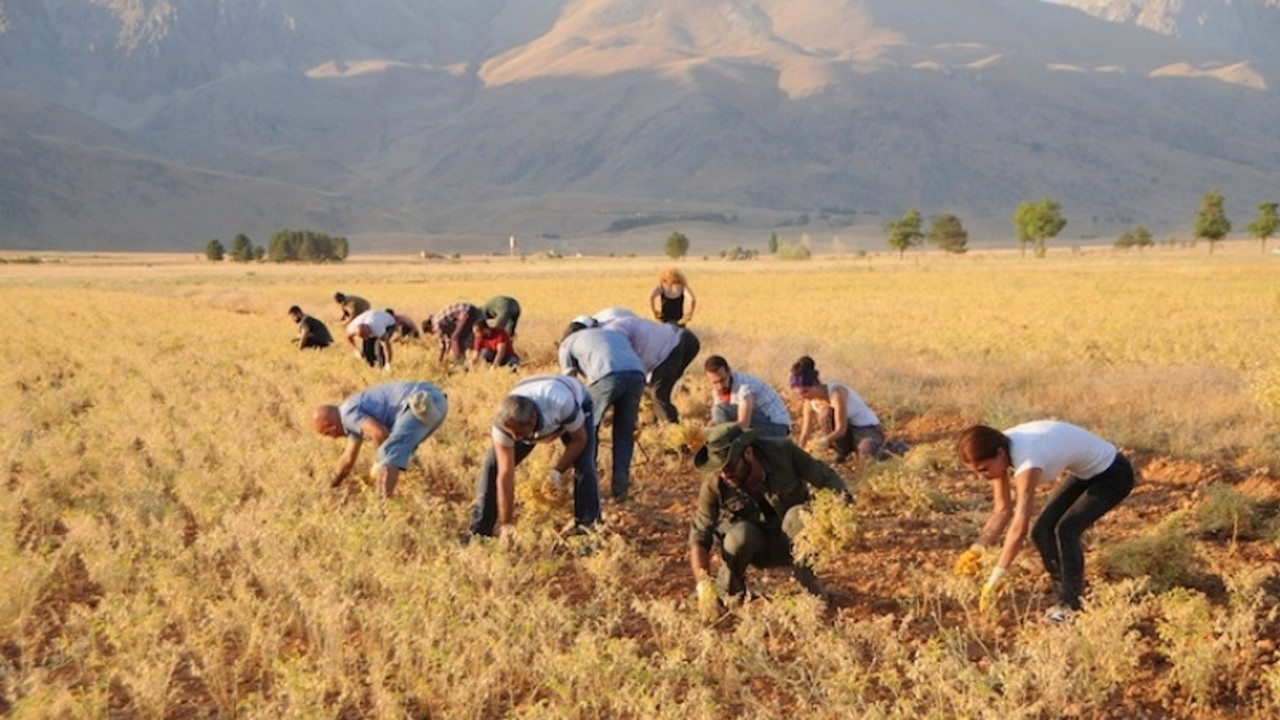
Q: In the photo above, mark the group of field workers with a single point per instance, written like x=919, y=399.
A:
x=757, y=483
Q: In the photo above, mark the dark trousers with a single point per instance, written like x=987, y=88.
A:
x=668, y=372
x=1071, y=511
x=371, y=350
x=865, y=441
x=745, y=544
x=586, y=483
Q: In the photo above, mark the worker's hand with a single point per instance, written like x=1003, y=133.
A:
x=507, y=535
x=991, y=591
x=556, y=478
x=969, y=562
x=657, y=316
x=359, y=355
x=684, y=321
x=386, y=368
x=375, y=471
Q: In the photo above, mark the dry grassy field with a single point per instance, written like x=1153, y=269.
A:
x=170, y=549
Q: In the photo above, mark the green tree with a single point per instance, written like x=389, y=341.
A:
x=904, y=231
x=1267, y=223
x=1211, y=220
x=773, y=243
x=677, y=245
x=949, y=234
x=1037, y=222
x=1137, y=236
x=214, y=250
x=241, y=248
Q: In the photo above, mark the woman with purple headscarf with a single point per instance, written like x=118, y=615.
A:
x=854, y=427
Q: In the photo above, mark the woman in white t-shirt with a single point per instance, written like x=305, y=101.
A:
x=1097, y=478
x=854, y=426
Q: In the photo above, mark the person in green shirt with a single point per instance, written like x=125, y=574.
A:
x=351, y=305
x=502, y=312
x=754, y=499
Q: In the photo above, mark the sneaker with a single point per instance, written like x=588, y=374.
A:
x=1059, y=615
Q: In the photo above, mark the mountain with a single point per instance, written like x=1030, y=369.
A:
x=69, y=180
x=594, y=124
x=1245, y=28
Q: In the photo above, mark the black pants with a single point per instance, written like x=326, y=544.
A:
x=1076, y=507
x=668, y=373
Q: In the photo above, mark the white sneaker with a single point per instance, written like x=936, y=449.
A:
x=1059, y=615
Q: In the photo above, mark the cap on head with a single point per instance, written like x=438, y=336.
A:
x=725, y=442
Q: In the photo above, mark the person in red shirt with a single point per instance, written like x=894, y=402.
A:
x=492, y=345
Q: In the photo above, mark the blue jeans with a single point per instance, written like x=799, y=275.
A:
x=408, y=432
x=623, y=391
x=728, y=412
x=586, y=482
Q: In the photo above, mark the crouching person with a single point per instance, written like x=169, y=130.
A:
x=754, y=499
x=538, y=409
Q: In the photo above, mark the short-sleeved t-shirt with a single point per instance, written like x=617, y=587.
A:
x=652, y=341
x=379, y=322
x=383, y=403
x=559, y=401
x=859, y=413
x=316, y=331
x=765, y=398
x=354, y=305
x=598, y=352
x=496, y=338
x=1055, y=447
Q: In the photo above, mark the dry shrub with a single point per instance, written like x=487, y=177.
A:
x=1164, y=554
x=1186, y=628
x=830, y=531
x=1226, y=512
x=891, y=486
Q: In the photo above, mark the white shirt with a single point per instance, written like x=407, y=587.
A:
x=559, y=401
x=765, y=398
x=612, y=313
x=652, y=341
x=379, y=322
x=857, y=410
x=1055, y=446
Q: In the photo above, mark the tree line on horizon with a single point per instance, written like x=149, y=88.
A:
x=283, y=246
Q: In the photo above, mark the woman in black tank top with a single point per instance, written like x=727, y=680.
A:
x=667, y=299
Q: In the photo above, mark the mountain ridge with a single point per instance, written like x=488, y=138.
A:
x=464, y=120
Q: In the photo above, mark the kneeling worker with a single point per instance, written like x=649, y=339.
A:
x=754, y=499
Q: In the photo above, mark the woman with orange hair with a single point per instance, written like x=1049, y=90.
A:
x=668, y=299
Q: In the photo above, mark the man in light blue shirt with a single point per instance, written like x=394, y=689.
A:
x=615, y=378
x=397, y=417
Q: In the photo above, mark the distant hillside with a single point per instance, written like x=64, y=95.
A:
x=460, y=121
x=1239, y=28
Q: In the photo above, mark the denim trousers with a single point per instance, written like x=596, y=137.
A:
x=586, y=482
x=622, y=391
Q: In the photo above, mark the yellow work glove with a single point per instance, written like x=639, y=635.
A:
x=991, y=591
x=969, y=562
